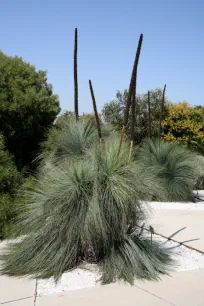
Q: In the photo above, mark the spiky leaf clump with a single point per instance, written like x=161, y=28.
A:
x=174, y=166
x=86, y=209
x=199, y=182
x=71, y=141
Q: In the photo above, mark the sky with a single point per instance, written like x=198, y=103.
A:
x=42, y=33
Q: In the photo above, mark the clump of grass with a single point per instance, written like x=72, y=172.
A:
x=174, y=166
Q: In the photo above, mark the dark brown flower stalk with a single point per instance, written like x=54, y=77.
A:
x=75, y=76
x=133, y=82
x=132, y=132
x=149, y=117
x=96, y=114
x=161, y=113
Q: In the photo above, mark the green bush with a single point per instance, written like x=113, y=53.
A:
x=6, y=214
x=10, y=180
x=28, y=108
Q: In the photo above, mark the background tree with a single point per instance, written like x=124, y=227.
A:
x=10, y=180
x=27, y=108
x=184, y=124
x=113, y=111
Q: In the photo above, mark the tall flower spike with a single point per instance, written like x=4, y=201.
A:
x=75, y=76
x=96, y=113
x=130, y=92
x=132, y=133
x=149, y=117
x=161, y=113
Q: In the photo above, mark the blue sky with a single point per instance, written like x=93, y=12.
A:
x=42, y=33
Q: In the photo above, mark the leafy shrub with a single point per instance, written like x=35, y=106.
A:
x=183, y=124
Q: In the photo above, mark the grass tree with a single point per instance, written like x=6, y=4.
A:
x=176, y=167
x=85, y=207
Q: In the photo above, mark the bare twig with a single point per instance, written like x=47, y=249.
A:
x=36, y=292
x=168, y=238
x=141, y=230
x=196, y=197
x=151, y=229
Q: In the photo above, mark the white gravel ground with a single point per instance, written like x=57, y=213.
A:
x=177, y=205
x=186, y=259
x=77, y=279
